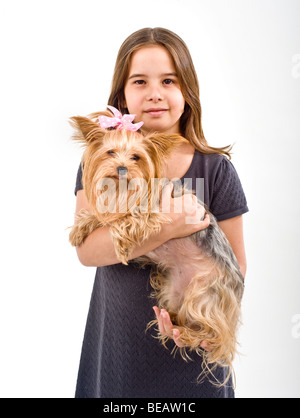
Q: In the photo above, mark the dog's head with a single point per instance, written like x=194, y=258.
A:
x=120, y=157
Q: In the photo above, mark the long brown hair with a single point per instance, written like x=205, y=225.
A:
x=190, y=121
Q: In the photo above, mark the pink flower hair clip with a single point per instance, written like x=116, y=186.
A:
x=119, y=121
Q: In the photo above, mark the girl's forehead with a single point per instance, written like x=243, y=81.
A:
x=151, y=59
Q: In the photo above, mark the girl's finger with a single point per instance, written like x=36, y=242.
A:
x=166, y=196
x=166, y=327
x=156, y=311
x=206, y=346
x=204, y=223
x=167, y=323
x=176, y=338
x=159, y=320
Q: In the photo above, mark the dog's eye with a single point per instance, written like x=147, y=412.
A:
x=135, y=157
x=110, y=152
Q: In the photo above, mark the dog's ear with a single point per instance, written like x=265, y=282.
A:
x=86, y=130
x=165, y=143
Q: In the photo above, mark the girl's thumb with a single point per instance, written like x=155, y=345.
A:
x=167, y=193
x=169, y=188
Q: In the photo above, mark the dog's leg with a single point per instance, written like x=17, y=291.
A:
x=85, y=223
x=125, y=237
x=122, y=251
x=132, y=231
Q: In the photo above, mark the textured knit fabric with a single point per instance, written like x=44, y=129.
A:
x=119, y=359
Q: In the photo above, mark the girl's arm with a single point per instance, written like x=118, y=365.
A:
x=233, y=229
x=98, y=249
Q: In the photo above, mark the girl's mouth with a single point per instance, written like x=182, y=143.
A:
x=155, y=112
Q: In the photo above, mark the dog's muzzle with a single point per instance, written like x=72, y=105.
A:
x=122, y=171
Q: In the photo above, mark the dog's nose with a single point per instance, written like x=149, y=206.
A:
x=122, y=170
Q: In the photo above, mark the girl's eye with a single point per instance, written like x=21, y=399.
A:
x=139, y=82
x=168, y=81
x=135, y=157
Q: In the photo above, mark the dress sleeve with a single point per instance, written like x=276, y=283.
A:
x=228, y=197
x=78, y=185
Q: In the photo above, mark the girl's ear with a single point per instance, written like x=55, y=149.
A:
x=86, y=130
x=165, y=143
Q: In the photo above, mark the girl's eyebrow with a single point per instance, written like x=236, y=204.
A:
x=144, y=75
x=136, y=75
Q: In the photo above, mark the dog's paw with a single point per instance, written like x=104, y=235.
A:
x=76, y=236
x=122, y=254
x=85, y=224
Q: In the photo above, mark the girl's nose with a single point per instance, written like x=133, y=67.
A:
x=155, y=95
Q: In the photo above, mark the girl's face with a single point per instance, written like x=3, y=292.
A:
x=152, y=90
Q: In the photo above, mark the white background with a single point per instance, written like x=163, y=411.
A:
x=57, y=59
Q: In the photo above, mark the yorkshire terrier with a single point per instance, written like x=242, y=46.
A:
x=196, y=279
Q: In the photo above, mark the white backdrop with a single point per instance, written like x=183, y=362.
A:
x=57, y=61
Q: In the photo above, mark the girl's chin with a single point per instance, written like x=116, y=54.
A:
x=160, y=127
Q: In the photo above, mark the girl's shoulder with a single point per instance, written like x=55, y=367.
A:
x=223, y=191
x=207, y=165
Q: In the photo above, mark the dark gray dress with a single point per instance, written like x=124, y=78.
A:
x=119, y=359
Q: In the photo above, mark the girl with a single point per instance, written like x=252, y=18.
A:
x=155, y=79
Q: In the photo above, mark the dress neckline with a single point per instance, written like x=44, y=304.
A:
x=190, y=167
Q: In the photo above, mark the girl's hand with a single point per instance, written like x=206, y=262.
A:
x=167, y=328
x=185, y=213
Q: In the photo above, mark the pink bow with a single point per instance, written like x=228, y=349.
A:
x=121, y=121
